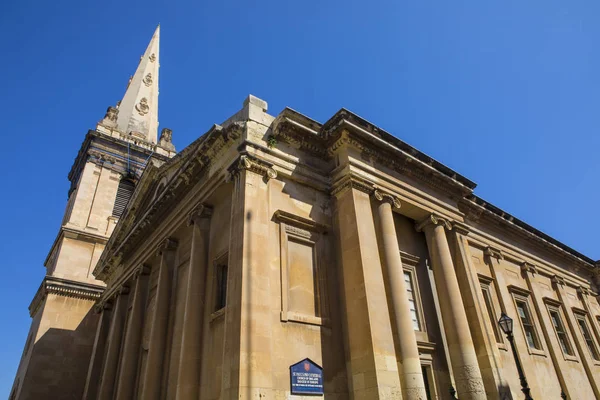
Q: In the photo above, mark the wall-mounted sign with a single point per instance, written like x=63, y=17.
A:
x=306, y=377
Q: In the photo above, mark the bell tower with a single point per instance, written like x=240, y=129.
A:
x=103, y=177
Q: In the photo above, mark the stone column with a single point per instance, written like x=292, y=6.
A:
x=412, y=376
x=188, y=382
x=95, y=369
x=111, y=361
x=469, y=383
x=133, y=336
x=151, y=381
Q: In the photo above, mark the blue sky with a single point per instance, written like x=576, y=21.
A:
x=506, y=93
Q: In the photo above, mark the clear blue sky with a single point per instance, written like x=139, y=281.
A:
x=505, y=92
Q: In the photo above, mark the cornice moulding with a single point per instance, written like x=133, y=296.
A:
x=64, y=287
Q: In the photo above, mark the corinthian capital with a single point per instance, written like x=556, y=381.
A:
x=387, y=197
x=433, y=220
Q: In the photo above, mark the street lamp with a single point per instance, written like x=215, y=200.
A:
x=506, y=324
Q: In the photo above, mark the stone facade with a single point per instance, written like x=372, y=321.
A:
x=272, y=239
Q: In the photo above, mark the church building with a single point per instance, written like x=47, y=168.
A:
x=277, y=257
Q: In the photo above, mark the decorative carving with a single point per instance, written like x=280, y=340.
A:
x=351, y=182
x=200, y=211
x=152, y=57
x=558, y=280
x=143, y=269
x=583, y=291
x=435, y=220
x=142, y=107
x=528, y=268
x=385, y=196
x=111, y=114
x=147, y=79
x=492, y=252
x=254, y=165
x=166, y=139
x=169, y=244
x=461, y=228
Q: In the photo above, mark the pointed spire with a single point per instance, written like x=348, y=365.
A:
x=138, y=111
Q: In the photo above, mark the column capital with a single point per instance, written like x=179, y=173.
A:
x=527, y=268
x=493, y=252
x=461, y=228
x=100, y=307
x=386, y=197
x=558, y=280
x=200, y=211
x=252, y=164
x=433, y=220
x=142, y=269
x=169, y=244
x=583, y=291
x=124, y=289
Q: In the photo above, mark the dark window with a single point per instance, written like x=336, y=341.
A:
x=527, y=322
x=563, y=339
x=124, y=192
x=221, y=287
x=587, y=336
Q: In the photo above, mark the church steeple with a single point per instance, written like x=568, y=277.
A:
x=137, y=113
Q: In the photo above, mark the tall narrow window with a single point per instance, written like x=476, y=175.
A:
x=412, y=300
x=124, y=192
x=561, y=333
x=221, y=286
x=527, y=323
x=587, y=336
x=489, y=305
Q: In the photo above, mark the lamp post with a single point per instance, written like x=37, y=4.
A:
x=506, y=324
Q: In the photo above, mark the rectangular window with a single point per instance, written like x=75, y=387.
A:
x=412, y=300
x=587, y=336
x=527, y=324
x=489, y=305
x=221, y=286
x=560, y=330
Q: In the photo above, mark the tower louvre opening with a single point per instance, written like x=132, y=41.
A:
x=124, y=192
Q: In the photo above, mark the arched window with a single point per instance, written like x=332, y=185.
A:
x=124, y=192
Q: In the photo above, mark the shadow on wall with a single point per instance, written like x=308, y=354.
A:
x=505, y=393
x=59, y=362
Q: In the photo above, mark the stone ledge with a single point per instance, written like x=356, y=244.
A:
x=64, y=287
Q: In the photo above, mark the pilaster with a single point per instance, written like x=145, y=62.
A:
x=152, y=379
x=370, y=353
x=188, y=382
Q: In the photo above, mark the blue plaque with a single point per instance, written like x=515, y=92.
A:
x=306, y=377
